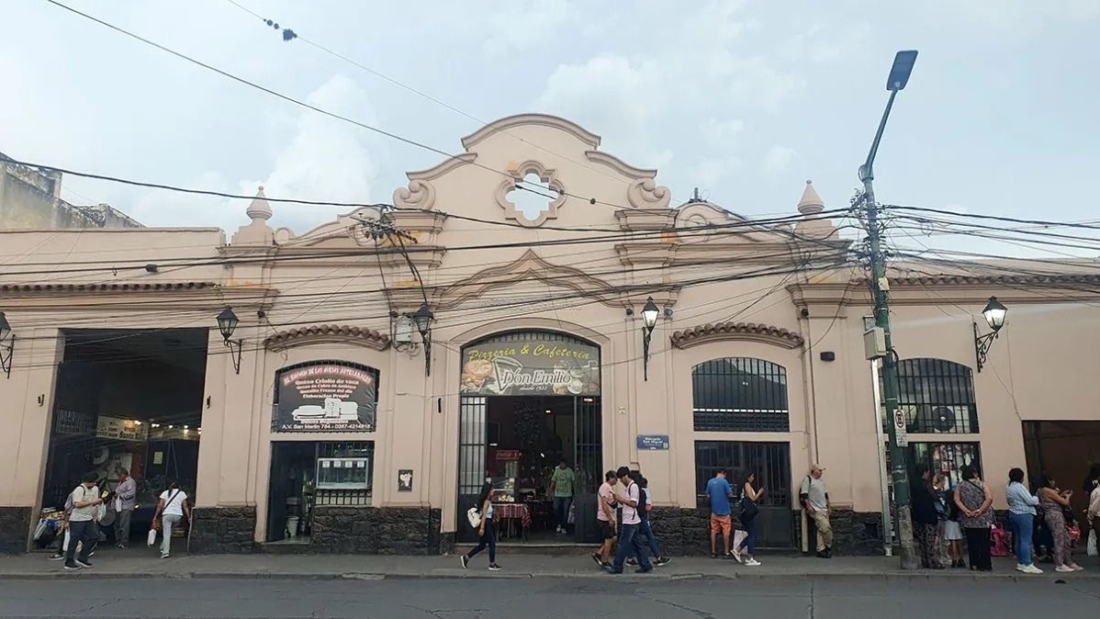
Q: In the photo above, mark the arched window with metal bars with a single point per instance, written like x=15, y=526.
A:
x=740, y=394
x=937, y=396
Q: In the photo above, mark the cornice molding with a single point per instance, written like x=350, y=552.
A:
x=736, y=331
x=328, y=334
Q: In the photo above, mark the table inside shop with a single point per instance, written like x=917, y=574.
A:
x=510, y=513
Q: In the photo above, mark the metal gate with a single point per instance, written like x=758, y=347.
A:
x=472, y=447
x=588, y=462
x=772, y=464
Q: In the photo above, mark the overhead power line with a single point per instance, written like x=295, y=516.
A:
x=307, y=105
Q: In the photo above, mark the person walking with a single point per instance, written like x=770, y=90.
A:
x=561, y=486
x=486, y=534
x=630, y=498
x=1021, y=513
x=926, y=519
x=606, y=519
x=172, y=507
x=1093, y=512
x=719, y=494
x=83, y=505
x=749, y=514
x=1054, y=501
x=815, y=499
x=974, y=501
x=123, y=504
x=647, y=530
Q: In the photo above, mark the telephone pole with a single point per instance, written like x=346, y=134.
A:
x=899, y=470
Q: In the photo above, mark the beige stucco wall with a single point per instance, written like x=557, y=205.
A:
x=1040, y=368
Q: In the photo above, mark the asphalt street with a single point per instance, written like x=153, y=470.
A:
x=539, y=598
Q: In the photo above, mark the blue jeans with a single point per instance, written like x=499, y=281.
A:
x=489, y=539
x=647, y=531
x=751, y=528
x=631, y=543
x=1021, y=540
x=561, y=510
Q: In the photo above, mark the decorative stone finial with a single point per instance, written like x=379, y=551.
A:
x=811, y=203
x=259, y=209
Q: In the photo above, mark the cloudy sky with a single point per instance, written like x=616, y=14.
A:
x=742, y=99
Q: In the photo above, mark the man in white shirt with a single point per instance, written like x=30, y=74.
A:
x=85, y=501
x=631, y=500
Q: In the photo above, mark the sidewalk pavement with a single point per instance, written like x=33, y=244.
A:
x=143, y=563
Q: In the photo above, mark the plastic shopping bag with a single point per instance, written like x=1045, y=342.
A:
x=152, y=537
x=738, y=537
x=1092, y=544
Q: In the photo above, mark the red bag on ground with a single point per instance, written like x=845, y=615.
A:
x=1001, y=545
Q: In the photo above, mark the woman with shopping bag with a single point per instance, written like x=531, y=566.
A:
x=172, y=507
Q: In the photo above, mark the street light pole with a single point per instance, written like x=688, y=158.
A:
x=899, y=470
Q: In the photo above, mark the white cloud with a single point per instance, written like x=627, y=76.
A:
x=521, y=25
x=621, y=98
x=777, y=159
x=710, y=171
x=321, y=159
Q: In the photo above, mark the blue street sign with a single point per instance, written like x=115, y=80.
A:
x=653, y=442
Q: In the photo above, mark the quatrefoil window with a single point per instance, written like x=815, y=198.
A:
x=532, y=195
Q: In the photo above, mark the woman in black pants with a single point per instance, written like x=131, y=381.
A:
x=485, y=532
x=974, y=500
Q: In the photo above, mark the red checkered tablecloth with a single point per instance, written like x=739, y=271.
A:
x=512, y=511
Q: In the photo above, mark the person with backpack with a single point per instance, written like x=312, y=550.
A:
x=647, y=530
x=83, y=506
x=486, y=534
x=629, y=542
x=815, y=500
x=172, y=507
x=952, y=531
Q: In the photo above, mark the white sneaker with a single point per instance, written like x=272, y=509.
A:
x=752, y=563
x=1020, y=567
x=1031, y=569
x=1064, y=569
x=737, y=556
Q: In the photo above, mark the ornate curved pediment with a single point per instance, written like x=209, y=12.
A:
x=735, y=331
x=530, y=266
x=328, y=334
x=591, y=140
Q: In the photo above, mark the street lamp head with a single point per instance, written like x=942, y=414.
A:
x=995, y=314
x=227, y=323
x=903, y=67
x=423, y=319
x=5, y=328
x=650, y=313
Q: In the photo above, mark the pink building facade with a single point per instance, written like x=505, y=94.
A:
x=327, y=419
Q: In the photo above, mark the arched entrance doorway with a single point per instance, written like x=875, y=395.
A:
x=530, y=399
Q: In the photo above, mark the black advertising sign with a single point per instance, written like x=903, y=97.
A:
x=531, y=367
x=326, y=397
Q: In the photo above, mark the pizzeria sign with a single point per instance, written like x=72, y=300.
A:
x=537, y=366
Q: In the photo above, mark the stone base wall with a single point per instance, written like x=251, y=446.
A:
x=223, y=530
x=686, y=532
x=681, y=532
x=854, y=533
x=15, y=527
x=377, y=530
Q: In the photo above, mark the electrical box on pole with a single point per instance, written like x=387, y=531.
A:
x=874, y=343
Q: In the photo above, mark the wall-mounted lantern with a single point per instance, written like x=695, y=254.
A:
x=227, y=324
x=649, y=320
x=995, y=314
